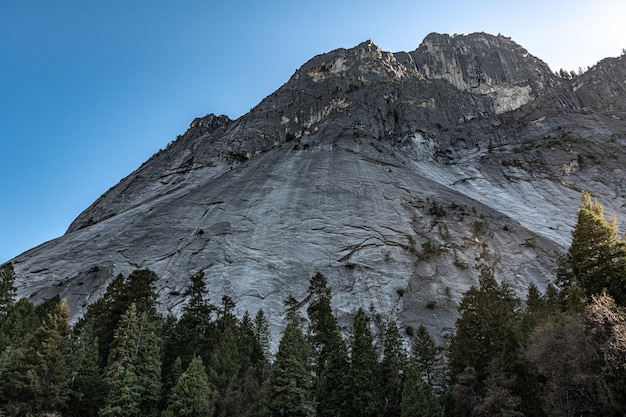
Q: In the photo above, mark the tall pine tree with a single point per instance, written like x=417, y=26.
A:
x=596, y=259
x=191, y=396
x=331, y=358
x=363, y=374
x=291, y=384
x=392, y=369
x=135, y=358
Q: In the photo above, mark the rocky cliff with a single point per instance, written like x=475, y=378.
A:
x=394, y=174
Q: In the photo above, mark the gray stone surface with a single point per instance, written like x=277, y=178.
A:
x=394, y=174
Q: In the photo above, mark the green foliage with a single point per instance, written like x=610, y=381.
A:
x=291, y=384
x=596, y=259
x=195, y=332
x=18, y=325
x=87, y=388
x=262, y=332
x=7, y=289
x=417, y=395
x=125, y=396
x=425, y=353
x=364, y=374
x=191, y=396
x=135, y=358
x=224, y=371
x=104, y=315
x=486, y=329
x=392, y=368
x=35, y=376
x=330, y=356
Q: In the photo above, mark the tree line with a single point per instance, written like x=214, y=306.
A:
x=561, y=352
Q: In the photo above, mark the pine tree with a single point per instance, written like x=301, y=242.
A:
x=171, y=378
x=291, y=384
x=331, y=359
x=425, y=352
x=105, y=314
x=191, y=396
x=12, y=381
x=134, y=358
x=195, y=329
x=417, y=394
x=363, y=374
x=38, y=374
x=19, y=325
x=87, y=389
x=224, y=372
x=596, y=259
x=392, y=368
x=148, y=364
x=487, y=327
x=255, y=364
x=125, y=396
x=16, y=333
x=7, y=289
x=262, y=332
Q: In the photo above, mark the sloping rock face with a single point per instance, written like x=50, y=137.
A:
x=393, y=174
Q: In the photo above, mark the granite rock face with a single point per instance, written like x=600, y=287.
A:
x=393, y=174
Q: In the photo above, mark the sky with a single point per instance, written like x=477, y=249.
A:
x=89, y=90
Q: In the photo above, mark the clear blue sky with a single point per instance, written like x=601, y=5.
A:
x=91, y=89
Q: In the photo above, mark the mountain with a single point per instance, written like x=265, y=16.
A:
x=393, y=174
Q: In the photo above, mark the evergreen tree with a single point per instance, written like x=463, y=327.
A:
x=7, y=289
x=12, y=381
x=225, y=313
x=291, y=384
x=392, y=368
x=195, y=331
x=135, y=358
x=170, y=371
x=425, y=352
x=191, y=396
x=331, y=359
x=537, y=309
x=17, y=330
x=124, y=397
x=148, y=364
x=417, y=394
x=37, y=375
x=19, y=325
x=105, y=314
x=49, y=353
x=254, y=351
x=139, y=289
x=224, y=372
x=171, y=378
x=596, y=259
x=364, y=373
x=487, y=328
x=87, y=389
x=255, y=364
x=262, y=332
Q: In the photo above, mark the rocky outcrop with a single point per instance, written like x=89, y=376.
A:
x=394, y=174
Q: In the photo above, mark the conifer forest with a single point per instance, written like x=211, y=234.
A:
x=558, y=351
